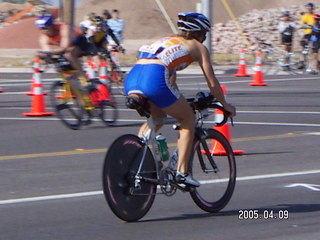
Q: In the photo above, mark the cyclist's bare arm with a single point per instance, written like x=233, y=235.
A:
x=200, y=54
x=46, y=45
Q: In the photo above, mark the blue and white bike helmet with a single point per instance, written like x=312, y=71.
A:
x=193, y=22
x=44, y=21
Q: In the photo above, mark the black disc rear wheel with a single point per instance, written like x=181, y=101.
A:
x=119, y=170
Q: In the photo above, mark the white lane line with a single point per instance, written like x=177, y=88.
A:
x=207, y=122
x=279, y=124
x=94, y=193
x=211, y=110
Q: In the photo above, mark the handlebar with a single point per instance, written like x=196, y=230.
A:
x=263, y=42
x=203, y=101
x=57, y=59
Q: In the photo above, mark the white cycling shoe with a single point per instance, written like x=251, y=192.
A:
x=186, y=179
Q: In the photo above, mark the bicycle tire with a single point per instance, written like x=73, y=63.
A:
x=120, y=165
x=108, y=112
x=216, y=189
x=67, y=106
x=268, y=62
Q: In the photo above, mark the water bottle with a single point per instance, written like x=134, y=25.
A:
x=174, y=160
x=162, y=146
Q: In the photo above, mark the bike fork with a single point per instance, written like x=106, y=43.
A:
x=201, y=136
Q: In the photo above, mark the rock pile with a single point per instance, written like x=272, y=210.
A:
x=255, y=24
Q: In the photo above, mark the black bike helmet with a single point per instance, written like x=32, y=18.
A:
x=286, y=13
x=97, y=20
x=310, y=5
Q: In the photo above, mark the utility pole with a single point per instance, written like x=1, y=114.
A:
x=68, y=12
x=206, y=6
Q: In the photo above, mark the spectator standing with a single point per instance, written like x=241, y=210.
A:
x=117, y=26
x=106, y=15
x=307, y=20
x=315, y=39
x=286, y=28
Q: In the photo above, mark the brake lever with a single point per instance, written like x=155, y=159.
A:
x=231, y=120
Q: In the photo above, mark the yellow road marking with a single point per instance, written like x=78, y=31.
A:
x=104, y=150
x=53, y=154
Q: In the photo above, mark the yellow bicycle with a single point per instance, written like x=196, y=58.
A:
x=77, y=101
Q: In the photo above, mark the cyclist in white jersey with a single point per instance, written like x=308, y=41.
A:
x=154, y=76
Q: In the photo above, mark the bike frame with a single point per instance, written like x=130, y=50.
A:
x=150, y=139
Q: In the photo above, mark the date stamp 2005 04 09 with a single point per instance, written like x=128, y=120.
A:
x=252, y=214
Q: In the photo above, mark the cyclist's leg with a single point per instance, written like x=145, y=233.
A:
x=182, y=111
x=156, y=112
x=316, y=47
x=74, y=54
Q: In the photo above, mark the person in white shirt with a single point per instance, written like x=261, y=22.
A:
x=117, y=26
x=286, y=28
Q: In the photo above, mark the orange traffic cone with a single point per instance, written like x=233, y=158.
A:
x=90, y=71
x=242, y=69
x=101, y=94
x=38, y=104
x=216, y=147
x=103, y=77
x=258, y=75
x=36, y=77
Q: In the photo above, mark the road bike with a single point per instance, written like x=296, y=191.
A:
x=275, y=59
x=133, y=171
x=76, y=101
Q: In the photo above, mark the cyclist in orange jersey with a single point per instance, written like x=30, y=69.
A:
x=58, y=37
x=154, y=76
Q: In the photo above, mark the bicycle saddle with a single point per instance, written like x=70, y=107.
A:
x=139, y=103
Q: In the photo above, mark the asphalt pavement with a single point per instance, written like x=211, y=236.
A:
x=50, y=176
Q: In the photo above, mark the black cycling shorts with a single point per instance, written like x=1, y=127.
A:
x=286, y=40
x=82, y=43
x=316, y=46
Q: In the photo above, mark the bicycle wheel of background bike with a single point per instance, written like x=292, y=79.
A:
x=66, y=104
x=268, y=63
x=120, y=165
x=108, y=112
x=216, y=188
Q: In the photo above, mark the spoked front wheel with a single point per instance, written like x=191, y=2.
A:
x=108, y=112
x=129, y=200
x=105, y=106
x=218, y=179
x=67, y=106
